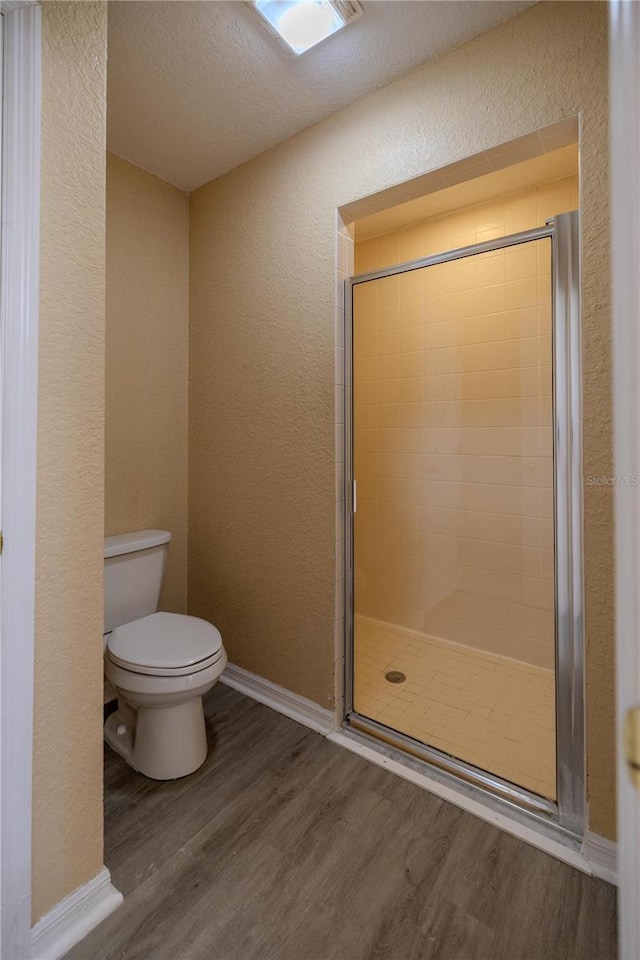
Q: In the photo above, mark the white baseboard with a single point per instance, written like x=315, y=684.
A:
x=74, y=917
x=284, y=701
x=602, y=855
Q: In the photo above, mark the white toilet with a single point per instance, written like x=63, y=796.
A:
x=161, y=664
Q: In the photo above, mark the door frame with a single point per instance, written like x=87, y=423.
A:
x=624, y=104
x=567, y=816
x=19, y=304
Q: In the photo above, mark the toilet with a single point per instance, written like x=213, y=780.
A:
x=161, y=664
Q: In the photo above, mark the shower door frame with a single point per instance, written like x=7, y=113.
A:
x=567, y=813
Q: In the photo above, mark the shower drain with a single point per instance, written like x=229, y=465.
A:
x=395, y=676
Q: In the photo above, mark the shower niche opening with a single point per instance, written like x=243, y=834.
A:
x=464, y=643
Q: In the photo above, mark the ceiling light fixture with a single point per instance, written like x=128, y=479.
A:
x=301, y=24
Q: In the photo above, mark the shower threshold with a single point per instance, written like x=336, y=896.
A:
x=511, y=808
x=489, y=783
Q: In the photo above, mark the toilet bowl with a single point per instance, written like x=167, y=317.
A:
x=160, y=664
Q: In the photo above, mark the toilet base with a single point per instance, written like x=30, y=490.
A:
x=163, y=743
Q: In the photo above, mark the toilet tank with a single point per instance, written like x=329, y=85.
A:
x=134, y=565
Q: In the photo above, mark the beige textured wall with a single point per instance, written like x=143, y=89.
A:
x=262, y=456
x=452, y=428
x=146, y=376
x=67, y=765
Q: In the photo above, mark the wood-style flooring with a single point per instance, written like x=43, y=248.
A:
x=284, y=846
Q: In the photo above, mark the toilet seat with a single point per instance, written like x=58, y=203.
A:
x=144, y=670
x=166, y=645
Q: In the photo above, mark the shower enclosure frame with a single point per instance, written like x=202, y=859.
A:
x=567, y=813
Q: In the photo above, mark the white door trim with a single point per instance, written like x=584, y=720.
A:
x=19, y=296
x=625, y=256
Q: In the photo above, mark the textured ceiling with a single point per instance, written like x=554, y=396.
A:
x=196, y=87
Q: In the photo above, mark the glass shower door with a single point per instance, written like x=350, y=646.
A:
x=454, y=607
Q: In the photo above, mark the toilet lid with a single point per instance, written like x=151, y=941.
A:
x=166, y=641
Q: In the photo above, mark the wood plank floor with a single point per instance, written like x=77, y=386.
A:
x=284, y=846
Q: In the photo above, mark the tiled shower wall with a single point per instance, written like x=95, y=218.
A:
x=453, y=458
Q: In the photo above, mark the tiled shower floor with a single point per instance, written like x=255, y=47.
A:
x=493, y=712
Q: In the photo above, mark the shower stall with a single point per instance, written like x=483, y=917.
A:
x=464, y=555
